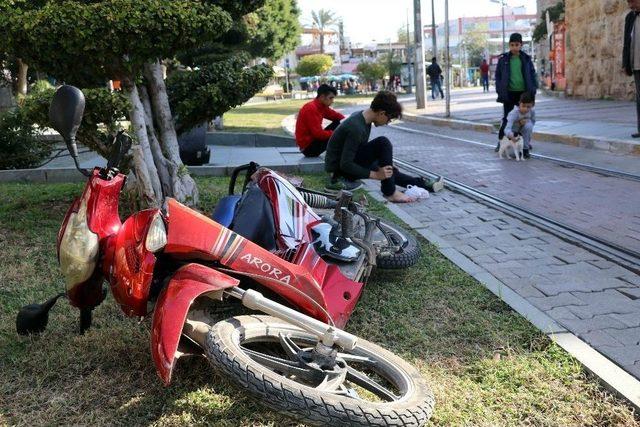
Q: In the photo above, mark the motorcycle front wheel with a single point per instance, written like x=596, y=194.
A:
x=276, y=362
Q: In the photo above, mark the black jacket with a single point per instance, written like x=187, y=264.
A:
x=434, y=71
x=503, y=72
x=629, y=21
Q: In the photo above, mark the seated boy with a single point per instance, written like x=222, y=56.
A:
x=351, y=156
x=521, y=120
x=310, y=137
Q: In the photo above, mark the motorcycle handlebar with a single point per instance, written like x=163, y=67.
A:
x=250, y=168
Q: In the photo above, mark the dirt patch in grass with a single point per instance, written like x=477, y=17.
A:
x=486, y=364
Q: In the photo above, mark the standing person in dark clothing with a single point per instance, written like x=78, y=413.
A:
x=435, y=75
x=484, y=75
x=310, y=137
x=351, y=156
x=515, y=74
x=631, y=52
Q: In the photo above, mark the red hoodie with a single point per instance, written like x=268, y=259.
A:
x=309, y=123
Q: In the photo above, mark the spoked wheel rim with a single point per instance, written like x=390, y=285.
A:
x=356, y=374
x=368, y=386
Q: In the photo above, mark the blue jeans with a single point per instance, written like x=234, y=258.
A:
x=485, y=83
x=526, y=131
x=436, y=83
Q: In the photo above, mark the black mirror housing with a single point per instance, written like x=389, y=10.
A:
x=65, y=113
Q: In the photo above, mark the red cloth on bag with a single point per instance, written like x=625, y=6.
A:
x=309, y=123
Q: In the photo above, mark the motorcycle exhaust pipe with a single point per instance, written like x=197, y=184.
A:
x=328, y=334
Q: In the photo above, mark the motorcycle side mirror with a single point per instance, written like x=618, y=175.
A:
x=65, y=115
x=121, y=146
x=33, y=318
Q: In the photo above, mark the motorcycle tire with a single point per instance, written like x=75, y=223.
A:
x=404, y=257
x=231, y=348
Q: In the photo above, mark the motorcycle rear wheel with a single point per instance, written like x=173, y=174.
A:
x=272, y=360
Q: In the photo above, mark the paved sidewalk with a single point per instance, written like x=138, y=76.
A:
x=565, y=291
x=598, y=124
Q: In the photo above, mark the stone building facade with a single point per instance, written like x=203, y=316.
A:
x=542, y=48
x=594, y=49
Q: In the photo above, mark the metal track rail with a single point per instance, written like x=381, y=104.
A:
x=563, y=162
x=620, y=255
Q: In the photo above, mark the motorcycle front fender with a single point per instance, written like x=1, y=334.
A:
x=170, y=313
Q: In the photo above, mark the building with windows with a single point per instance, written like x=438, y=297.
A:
x=516, y=21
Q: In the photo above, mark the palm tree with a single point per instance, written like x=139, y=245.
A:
x=322, y=19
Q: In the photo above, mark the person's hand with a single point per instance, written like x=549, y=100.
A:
x=382, y=173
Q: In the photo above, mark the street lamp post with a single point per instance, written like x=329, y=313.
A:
x=433, y=30
x=419, y=52
x=502, y=3
x=447, y=58
x=409, y=89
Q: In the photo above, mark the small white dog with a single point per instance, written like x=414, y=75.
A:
x=517, y=144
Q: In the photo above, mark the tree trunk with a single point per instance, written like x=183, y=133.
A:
x=154, y=144
x=144, y=166
x=184, y=187
x=21, y=84
x=321, y=40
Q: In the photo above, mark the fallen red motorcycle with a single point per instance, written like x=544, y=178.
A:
x=270, y=250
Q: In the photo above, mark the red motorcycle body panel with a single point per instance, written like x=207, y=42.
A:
x=103, y=219
x=132, y=265
x=194, y=236
x=172, y=307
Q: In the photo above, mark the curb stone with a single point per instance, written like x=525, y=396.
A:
x=613, y=145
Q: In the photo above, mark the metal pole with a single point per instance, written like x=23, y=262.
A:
x=419, y=66
x=447, y=64
x=504, y=46
x=433, y=30
x=286, y=71
x=409, y=89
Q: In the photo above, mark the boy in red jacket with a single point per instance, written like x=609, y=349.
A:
x=310, y=136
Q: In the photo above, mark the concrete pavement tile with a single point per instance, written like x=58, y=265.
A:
x=595, y=323
x=600, y=338
x=561, y=300
x=627, y=336
x=631, y=319
x=626, y=355
x=559, y=313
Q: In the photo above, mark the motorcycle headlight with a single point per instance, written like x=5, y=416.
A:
x=79, y=246
x=157, y=235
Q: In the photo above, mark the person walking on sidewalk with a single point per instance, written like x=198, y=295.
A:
x=484, y=75
x=515, y=74
x=631, y=52
x=351, y=156
x=435, y=75
x=310, y=137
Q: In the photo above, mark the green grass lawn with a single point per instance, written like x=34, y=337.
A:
x=486, y=364
x=267, y=117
